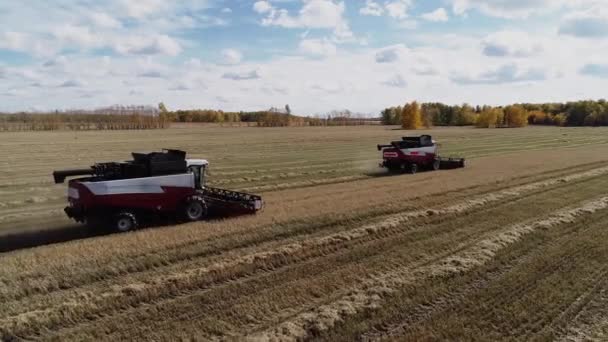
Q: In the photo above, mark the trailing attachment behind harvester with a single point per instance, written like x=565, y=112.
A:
x=412, y=154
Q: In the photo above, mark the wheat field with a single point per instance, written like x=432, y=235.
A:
x=510, y=248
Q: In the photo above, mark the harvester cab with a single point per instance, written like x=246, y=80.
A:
x=199, y=168
x=410, y=154
x=124, y=194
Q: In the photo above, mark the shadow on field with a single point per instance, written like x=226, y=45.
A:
x=16, y=241
x=30, y=239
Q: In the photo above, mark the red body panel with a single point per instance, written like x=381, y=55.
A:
x=395, y=155
x=168, y=200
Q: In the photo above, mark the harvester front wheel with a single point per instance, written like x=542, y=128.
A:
x=125, y=221
x=413, y=168
x=194, y=209
x=436, y=164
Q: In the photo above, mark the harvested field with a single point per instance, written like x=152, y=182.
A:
x=510, y=248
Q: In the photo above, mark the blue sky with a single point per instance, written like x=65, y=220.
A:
x=316, y=55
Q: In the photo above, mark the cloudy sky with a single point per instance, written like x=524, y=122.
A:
x=316, y=55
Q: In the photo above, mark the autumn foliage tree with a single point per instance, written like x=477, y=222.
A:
x=411, y=116
x=489, y=118
x=516, y=116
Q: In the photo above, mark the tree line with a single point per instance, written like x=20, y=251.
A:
x=580, y=113
x=79, y=121
x=273, y=117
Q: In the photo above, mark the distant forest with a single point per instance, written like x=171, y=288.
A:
x=410, y=116
x=579, y=113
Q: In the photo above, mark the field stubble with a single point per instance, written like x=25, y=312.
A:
x=376, y=258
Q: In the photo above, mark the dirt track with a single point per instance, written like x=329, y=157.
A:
x=511, y=247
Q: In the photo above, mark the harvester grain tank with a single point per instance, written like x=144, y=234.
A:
x=125, y=194
x=411, y=154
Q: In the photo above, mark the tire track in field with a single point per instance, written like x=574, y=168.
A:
x=117, y=269
x=452, y=298
x=369, y=294
x=591, y=324
x=447, y=304
x=289, y=253
x=190, y=256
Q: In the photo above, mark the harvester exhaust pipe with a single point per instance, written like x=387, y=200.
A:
x=60, y=176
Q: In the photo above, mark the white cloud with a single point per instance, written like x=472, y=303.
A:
x=262, y=7
x=391, y=54
x=398, y=8
x=408, y=24
x=437, y=15
x=502, y=8
x=520, y=8
x=141, y=8
x=425, y=70
x=314, y=14
x=188, y=84
x=511, y=44
x=27, y=43
x=508, y=73
x=60, y=61
x=77, y=35
x=72, y=84
x=226, y=10
x=148, y=45
x=231, y=56
x=372, y=8
x=102, y=19
x=16, y=41
x=396, y=81
x=590, y=23
x=241, y=76
x=63, y=45
x=317, y=47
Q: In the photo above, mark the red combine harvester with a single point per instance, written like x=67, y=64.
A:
x=124, y=194
x=414, y=153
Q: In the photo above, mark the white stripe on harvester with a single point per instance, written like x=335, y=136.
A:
x=147, y=185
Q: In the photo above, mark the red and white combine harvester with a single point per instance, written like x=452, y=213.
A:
x=414, y=153
x=123, y=195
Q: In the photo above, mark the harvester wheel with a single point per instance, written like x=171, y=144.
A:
x=125, y=221
x=194, y=209
x=436, y=164
x=413, y=168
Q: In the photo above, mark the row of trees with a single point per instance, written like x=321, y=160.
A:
x=79, y=121
x=580, y=113
x=273, y=117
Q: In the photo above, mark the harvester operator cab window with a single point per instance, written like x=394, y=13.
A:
x=199, y=172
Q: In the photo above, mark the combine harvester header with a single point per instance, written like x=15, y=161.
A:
x=414, y=153
x=124, y=194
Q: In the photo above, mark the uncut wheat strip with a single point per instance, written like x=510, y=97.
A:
x=370, y=293
x=91, y=301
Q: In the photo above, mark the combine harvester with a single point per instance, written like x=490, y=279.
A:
x=412, y=154
x=122, y=195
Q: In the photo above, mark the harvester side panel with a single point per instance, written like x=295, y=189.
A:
x=162, y=193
